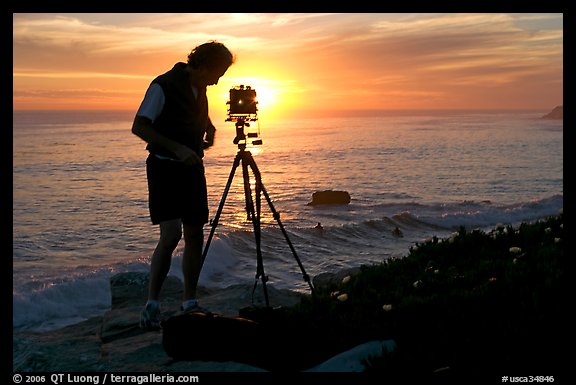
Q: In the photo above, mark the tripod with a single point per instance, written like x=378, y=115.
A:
x=253, y=210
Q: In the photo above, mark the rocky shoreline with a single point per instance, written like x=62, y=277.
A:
x=114, y=342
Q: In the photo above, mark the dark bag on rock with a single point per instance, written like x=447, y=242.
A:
x=261, y=337
x=212, y=337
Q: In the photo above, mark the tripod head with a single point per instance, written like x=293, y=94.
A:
x=242, y=110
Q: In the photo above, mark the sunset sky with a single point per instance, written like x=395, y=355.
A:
x=299, y=64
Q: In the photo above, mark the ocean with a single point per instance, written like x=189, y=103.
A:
x=80, y=210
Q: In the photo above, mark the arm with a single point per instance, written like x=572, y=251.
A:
x=142, y=128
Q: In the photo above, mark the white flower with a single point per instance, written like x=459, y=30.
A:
x=335, y=294
x=417, y=284
x=515, y=250
x=342, y=297
x=557, y=240
x=548, y=230
x=387, y=307
x=346, y=279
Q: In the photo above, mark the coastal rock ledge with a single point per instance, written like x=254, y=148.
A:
x=114, y=341
x=557, y=113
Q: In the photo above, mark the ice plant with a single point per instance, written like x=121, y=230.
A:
x=342, y=297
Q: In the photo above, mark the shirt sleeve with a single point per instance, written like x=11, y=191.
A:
x=153, y=102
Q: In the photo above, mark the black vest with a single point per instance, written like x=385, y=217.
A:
x=184, y=118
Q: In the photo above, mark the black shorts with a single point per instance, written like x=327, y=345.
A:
x=176, y=191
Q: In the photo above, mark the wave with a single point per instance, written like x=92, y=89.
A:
x=485, y=214
x=468, y=213
x=58, y=305
x=44, y=304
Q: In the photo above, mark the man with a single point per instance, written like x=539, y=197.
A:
x=173, y=120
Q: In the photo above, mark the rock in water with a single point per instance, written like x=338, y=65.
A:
x=330, y=197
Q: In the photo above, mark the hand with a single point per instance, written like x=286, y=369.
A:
x=210, y=134
x=189, y=157
x=208, y=142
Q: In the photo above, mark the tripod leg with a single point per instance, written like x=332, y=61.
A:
x=255, y=222
x=276, y=216
x=221, y=206
x=247, y=190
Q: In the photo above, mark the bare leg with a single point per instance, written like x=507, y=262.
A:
x=192, y=259
x=170, y=234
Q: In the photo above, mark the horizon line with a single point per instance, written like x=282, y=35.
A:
x=319, y=111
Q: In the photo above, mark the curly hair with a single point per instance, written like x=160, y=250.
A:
x=211, y=54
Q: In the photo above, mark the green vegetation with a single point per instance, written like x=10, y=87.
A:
x=477, y=301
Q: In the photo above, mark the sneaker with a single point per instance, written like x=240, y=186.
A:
x=150, y=318
x=193, y=308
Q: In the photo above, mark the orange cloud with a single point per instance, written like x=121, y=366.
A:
x=302, y=63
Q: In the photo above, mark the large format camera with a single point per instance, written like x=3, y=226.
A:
x=242, y=110
x=242, y=101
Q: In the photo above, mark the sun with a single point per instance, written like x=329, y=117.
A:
x=267, y=94
x=266, y=97
x=275, y=95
